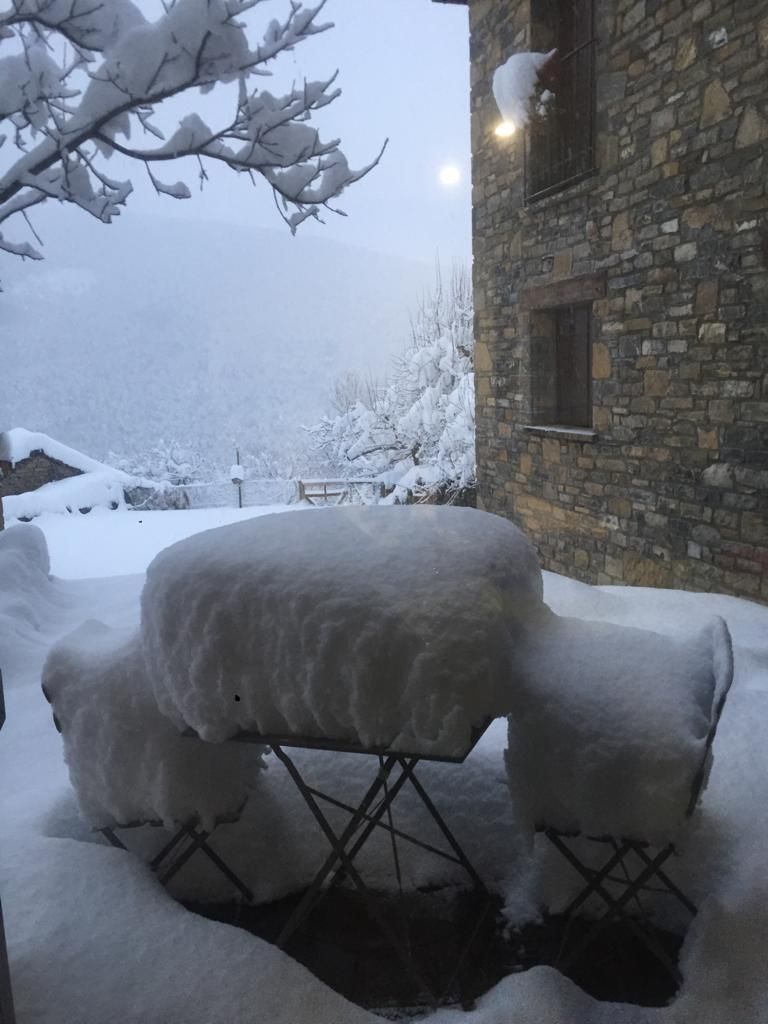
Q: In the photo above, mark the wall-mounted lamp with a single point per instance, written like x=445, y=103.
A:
x=504, y=129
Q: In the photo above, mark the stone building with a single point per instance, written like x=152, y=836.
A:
x=27, y=462
x=621, y=289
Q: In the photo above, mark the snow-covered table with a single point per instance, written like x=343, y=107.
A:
x=387, y=627
x=385, y=631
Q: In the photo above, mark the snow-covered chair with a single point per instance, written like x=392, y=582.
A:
x=610, y=749
x=128, y=764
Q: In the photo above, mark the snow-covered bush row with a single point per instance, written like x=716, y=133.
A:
x=80, y=81
x=417, y=429
x=384, y=626
x=167, y=463
x=127, y=762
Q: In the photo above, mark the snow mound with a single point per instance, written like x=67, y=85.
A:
x=514, y=85
x=127, y=763
x=102, y=489
x=609, y=725
x=385, y=626
x=25, y=596
x=18, y=444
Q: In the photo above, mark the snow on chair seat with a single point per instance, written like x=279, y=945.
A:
x=390, y=627
x=610, y=740
x=128, y=764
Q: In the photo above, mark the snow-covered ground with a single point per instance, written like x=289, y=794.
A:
x=93, y=938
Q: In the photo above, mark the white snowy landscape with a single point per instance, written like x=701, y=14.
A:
x=177, y=591
x=93, y=937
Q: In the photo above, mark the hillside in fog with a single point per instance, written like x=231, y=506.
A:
x=200, y=331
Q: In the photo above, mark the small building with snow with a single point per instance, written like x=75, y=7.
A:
x=621, y=285
x=31, y=462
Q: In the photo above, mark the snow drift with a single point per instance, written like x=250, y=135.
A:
x=386, y=626
x=27, y=598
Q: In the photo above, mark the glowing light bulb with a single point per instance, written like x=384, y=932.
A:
x=504, y=129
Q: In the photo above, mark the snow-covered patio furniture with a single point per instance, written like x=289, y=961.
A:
x=129, y=765
x=386, y=631
x=610, y=749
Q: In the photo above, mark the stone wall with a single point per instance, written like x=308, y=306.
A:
x=31, y=473
x=669, y=240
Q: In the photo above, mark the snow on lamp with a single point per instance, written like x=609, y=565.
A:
x=518, y=83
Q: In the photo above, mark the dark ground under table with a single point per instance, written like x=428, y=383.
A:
x=339, y=945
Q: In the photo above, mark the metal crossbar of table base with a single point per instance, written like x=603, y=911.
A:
x=631, y=887
x=368, y=815
x=184, y=843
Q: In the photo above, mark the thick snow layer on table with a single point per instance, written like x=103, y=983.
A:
x=608, y=725
x=514, y=85
x=386, y=626
x=18, y=444
x=101, y=489
x=127, y=763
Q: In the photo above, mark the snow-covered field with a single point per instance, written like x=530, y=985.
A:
x=93, y=938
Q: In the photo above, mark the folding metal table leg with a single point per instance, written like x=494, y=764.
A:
x=616, y=909
x=340, y=854
x=310, y=895
x=449, y=836
x=112, y=839
x=374, y=819
x=198, y=841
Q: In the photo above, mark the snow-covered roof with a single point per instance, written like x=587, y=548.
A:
x=18, y=444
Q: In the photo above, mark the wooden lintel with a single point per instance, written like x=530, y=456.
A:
x=584, y=288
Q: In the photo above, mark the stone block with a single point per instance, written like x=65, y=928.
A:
x=715, y=104
x=656, y=382
x=753, y=128
x=601, y=361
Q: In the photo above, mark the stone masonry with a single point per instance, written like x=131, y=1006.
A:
x=669, y=242
x=31, y=473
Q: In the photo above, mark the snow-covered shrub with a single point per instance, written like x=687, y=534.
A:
x=416, y=429
x=161, y=472
x=167, y=462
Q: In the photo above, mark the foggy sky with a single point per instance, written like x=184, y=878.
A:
x=404, y=73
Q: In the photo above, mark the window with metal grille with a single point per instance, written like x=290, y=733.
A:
x=561, y=366
x=573, y=369
x=561, y=139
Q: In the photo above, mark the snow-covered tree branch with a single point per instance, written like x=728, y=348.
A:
x=82, y=79
x=417, y=429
